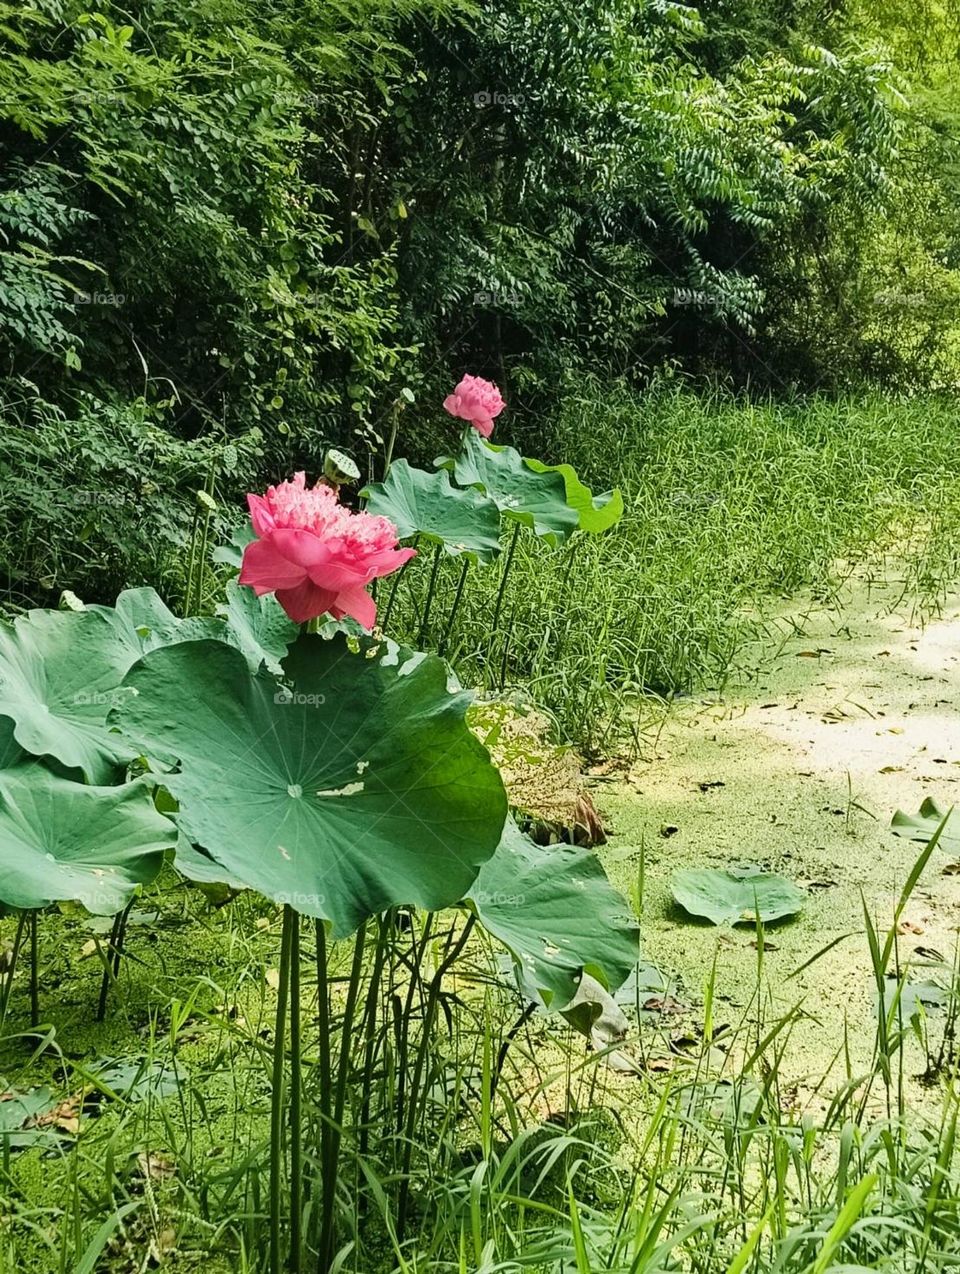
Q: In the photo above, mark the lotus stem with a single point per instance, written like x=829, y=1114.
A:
x=414, y=1104
x=396, y=585
x=391, y=440
x=368, y=1029
x=22, y=923
x=291, y=919
x=508, y=1039
x=417, y=951
x=326, y=1082
x=276, y=1099
x=505, y=575
x=336, y=1131
x=34, y=971
x=188, y=586
x=111, y=966
x=501, y=591
x=435, y=570
x=448, y=627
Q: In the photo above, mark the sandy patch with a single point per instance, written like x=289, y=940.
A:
x=848, y=712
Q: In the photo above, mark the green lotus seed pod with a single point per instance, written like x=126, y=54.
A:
x=339, y=469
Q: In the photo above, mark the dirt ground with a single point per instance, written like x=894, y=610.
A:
x=848, y=712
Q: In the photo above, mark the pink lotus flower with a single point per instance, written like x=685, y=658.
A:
x=476, y=400
x=315, y=554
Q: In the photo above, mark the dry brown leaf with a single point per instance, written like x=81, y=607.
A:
x=156, y=1165
x=65, y=1116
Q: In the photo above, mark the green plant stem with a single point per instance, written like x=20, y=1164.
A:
x=501, y=591
x=391, y=440
x=22, y=922
x=202, y=559
x=414, y=1104
x=431, y=588
x=111, y=967
x=406, y=1014
x=188, y=588
x=445, y=636
x=331, y=1169
x=34, y=971
x=291, y=920
x=384, y=623
x=368, y=1030
x=325, y=1066
x=276, y=1104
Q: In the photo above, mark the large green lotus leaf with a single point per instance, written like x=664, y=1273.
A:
x=536, y=499
x=554, y=909
x=10, y=750
x=60, y=674
x=259, y=626
x=356, y=787
x=736, y=895
x=59, y=677
x=69, y=842
x=198, y=866
x=923, y=826
x=143, y=621
x=427, y=504
x=597, y=513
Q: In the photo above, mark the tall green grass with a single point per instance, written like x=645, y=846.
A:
x=729, y=504
x=530, y=1155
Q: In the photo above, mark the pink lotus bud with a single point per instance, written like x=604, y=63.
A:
x=476, y=400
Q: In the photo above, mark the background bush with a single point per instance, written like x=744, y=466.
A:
x=223, y=216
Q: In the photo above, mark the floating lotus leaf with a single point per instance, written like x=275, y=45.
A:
x=924, y=826
x=68, y=842
x=537, y=499
x=736, y=895
x=554, y=909
x=426, y=504
x=355, y=787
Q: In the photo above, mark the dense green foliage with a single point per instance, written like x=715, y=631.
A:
x=266, y=226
